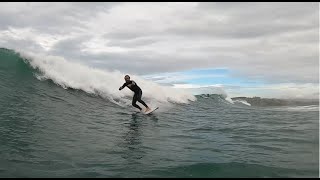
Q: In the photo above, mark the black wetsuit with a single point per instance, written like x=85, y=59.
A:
x=137, y=93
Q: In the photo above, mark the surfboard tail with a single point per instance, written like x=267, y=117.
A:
x=151, y=110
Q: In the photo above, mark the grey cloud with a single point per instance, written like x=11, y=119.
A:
x=275, y=42
x=137, y=62
x=132, y=43
x=237, y=30
x=52, y=17
x=129, y=38
x=124, y=35
x=264, y=10
x=69, y=45
x=250, y=20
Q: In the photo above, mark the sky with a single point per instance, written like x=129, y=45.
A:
x=267, y=49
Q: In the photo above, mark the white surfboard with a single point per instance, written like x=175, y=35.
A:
x=152, y=109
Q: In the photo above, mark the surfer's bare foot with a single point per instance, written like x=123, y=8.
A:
x=148, y=109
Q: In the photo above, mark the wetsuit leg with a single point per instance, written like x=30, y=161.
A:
x=134, y=101
x=140, y=101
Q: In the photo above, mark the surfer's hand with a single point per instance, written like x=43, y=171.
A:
x=120, y=88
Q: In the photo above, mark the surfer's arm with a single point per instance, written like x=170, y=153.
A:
x=124, y=85
x=129, y=84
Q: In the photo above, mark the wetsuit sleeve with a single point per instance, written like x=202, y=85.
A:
x=124, y=85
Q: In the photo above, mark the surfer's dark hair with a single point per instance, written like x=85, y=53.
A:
x=127, y=76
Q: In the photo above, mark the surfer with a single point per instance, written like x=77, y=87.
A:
x=137, y=92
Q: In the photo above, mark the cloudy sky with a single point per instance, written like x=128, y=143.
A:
x=263, y=49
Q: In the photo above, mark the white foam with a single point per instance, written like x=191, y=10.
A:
x=229, y=100
x=243, y=102
x=303, y=108
x=101, y=82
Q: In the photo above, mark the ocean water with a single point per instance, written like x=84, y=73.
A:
x=59, y=119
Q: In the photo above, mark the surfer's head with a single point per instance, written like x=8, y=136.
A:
x=127, y=78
